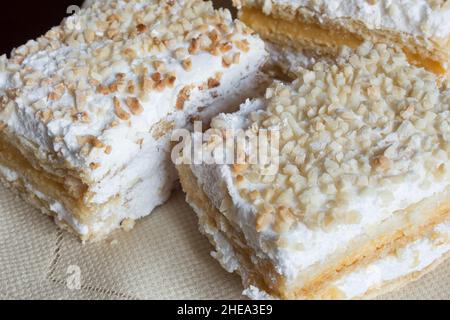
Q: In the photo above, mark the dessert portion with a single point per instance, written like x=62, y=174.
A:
x=359, y=202
x=421, y=28
x=87, y=110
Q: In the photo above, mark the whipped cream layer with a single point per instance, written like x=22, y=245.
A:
x=425, y=18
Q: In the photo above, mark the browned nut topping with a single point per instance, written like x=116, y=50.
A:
x=134, y=105
x=121, y=114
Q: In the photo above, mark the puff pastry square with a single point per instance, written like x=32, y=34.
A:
x=87, y=110
x=360, y=200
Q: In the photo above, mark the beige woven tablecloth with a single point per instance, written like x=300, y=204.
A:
x=164, y=257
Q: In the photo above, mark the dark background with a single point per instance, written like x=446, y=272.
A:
x=22, y=20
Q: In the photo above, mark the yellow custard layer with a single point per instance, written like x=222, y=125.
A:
x=303, y=35
x=70, y=192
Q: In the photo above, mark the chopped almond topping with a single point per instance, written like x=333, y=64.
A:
x=157, y=77
x=94, y=166
x=113, y=18
x=113, y=88
x=103, y=90
x=45, y=115
x=141, y=28
x=162, y=128
x=254, y=195
x=158, y=65
x=92, y=141
x=187, y=64
x=265, y=218
x=130, y=53
x=194, y=47
x=227, y=61
x=213, y=36
x=213, y=83
x=182, y=97
x=80, y=116
x=243, y=45
x=215, y=51
x=381, y=162
x=147, y=85
x=170, y=80
x=121, y=114
x=111, y=33
x=135, y=106
x=226, y=47
x=52, y=96
x=131, y=88
x=108, y=149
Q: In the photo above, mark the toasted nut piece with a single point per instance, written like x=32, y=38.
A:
x=187, y=64
x=141, y=28
x=243, y=45
x=195, y=46
x=265, y=218
x=134, y=106
x=121, y=114
x=213, y=83
x=94, y=166
x=381, y=162
x=103, y=90
x=182, y=97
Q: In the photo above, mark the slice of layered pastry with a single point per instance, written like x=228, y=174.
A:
x=87, y=110
x=358, y=201
x=421, y=28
